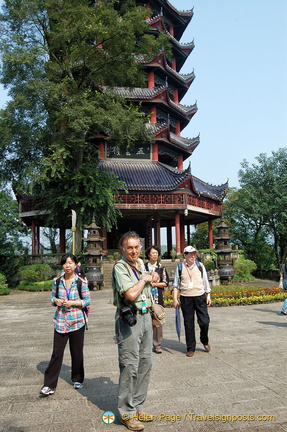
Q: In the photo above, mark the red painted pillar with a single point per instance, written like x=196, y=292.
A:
x=150, y=80
x=102, y=150
x=210, y=234
x=180, y=162
x=169, y=239
x=175, y=96
x=155, y=152
x=177, y=128
x=153, y=114
x=182, y=237
x=173, y=64
x=177, y=232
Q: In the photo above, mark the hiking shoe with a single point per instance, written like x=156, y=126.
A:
x=78, y=385
x=47, y=391
x=133, y=424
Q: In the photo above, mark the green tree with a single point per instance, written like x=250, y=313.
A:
x=257, y=211
x=12, y=235
x=61, y=60
x=200, y=236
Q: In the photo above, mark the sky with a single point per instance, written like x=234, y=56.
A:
x=240, y=87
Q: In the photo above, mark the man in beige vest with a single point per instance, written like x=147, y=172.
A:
x=191, y=281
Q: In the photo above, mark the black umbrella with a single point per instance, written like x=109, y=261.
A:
x=177, y=321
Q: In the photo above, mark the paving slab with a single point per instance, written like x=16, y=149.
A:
x=238, y=386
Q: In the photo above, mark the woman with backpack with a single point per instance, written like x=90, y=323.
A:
x=157, y=289
x=71, y=296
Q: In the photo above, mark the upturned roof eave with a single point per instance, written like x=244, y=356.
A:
x=185, y=80
x=181, y=18
x=155, y=95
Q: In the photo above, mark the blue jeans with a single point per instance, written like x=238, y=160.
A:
x=135, y=362
x=284, y=307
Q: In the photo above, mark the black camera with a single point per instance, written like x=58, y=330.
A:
x=129, y=314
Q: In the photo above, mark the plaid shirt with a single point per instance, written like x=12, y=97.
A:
x=68, y=319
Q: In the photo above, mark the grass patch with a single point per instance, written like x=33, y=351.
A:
x=236, y=295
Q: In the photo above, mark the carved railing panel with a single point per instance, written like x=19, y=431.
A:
x=165, y=199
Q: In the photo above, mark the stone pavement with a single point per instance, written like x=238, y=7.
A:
x=239, y=386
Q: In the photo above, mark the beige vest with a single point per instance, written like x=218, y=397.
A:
x=191, y=276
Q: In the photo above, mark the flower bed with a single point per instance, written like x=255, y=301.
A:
x=236, y=295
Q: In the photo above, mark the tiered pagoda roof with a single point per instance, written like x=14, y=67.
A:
x=160, y=96
x=156, y=176
x=180, y=19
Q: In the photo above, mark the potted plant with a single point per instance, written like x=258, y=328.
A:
x=117, y=256
x=173, y=255
x=110, y=258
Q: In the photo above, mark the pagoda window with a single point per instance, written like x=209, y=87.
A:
x=161, y=117
x=167, y=156
x=171, y=92
x=145, y=110
x=158, y=81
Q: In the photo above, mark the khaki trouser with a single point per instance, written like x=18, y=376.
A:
x=135, y=361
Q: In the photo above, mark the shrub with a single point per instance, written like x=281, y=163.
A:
x=35, y=272
x=3, y=286
x=45, y=285
x=209, y=264
x=243, y=268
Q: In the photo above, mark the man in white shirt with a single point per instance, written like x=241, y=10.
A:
x=191, y=281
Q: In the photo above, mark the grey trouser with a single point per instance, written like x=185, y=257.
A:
x=157, y=337
x=135, y=361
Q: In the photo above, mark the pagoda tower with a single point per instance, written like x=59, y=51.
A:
x=161, y=193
